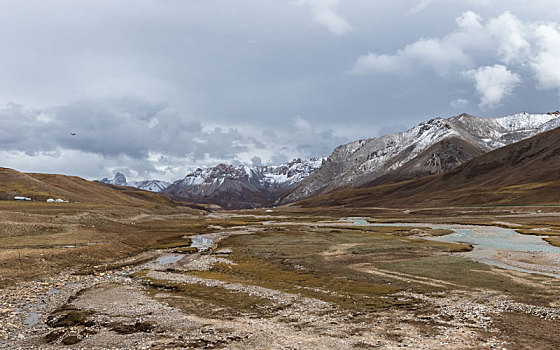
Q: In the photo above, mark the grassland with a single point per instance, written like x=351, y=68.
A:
x=293, y=276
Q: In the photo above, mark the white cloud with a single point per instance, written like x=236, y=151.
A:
x=531, y=48
x=437, y=54
x=324, y=13
x=302, y=125
x=374, y=63
x=546, y=63
x=420, y=6
x=299, y=139
x=459, y=103
x=493, y=84
x=469, y=21
x=511, y=37
x=442, y=55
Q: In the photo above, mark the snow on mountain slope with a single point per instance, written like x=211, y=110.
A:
x=119, y=180
x=364, y=161
x=151, y=185
x=147, y=185
x=243, y=187
x=524, y=121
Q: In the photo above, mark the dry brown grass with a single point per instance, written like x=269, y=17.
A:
x=38, y=239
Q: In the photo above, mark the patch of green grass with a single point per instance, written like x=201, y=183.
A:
x=464, y=272
x=206, y=301
x=172, y=242
x=293, y=261
x=344, y=292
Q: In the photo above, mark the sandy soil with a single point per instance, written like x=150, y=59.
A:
x=534, y=261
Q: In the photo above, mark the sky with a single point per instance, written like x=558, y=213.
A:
x=158, y=88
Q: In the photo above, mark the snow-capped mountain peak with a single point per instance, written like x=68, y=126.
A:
x=432, y=146
x=241, y=186
x=149, y=185
x=524, y=121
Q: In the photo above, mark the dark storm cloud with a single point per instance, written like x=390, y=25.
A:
x=129, y=127
x=224, y=80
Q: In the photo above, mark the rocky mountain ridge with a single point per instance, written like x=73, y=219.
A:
x=431, y=147
x=148, y=185
x=522, y=173
x=234, y=187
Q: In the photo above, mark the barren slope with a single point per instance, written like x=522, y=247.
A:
x=522, y=173
x=40, y=187
x=430, y=147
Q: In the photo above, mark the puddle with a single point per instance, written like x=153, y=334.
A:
x=357, y=221
x=32, y=319
x=201, y=242
x=170, y=258
x=487, y=241
x=53, y=291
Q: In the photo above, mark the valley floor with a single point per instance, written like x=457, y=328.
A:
x=102, y=278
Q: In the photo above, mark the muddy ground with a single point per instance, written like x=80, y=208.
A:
x=97, y=278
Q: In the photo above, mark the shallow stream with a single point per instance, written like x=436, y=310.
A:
x=202, y=242
x=487, y=241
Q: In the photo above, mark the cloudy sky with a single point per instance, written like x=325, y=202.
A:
x=160, y=87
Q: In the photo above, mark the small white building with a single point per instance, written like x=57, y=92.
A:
x=20, y=198
x=50, y=200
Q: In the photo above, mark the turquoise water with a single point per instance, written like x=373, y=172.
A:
x=500, y=238
x=486, y=240
x=201, y=242
x=170, y=258
x=32, y=319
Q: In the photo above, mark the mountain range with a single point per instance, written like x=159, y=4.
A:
x=433, y=147
x=243, y=187
x=148, y=185
x=231, y=187
x=523, y=173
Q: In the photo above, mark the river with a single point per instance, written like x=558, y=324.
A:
x=487, y=241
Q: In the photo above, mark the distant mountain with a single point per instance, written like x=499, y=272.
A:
x=119, y=180
x=243, y=187
x=148, y=185
x=522, y=173
x=431, y=147
x=151, y=185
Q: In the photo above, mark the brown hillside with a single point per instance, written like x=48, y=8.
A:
x=523, y=173
x=40, y=187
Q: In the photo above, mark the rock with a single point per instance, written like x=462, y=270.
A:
x=224, y=251
x=71, y=339
x=54, y=335
x=71, y=318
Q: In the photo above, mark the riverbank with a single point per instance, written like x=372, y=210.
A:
x=284, y=282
